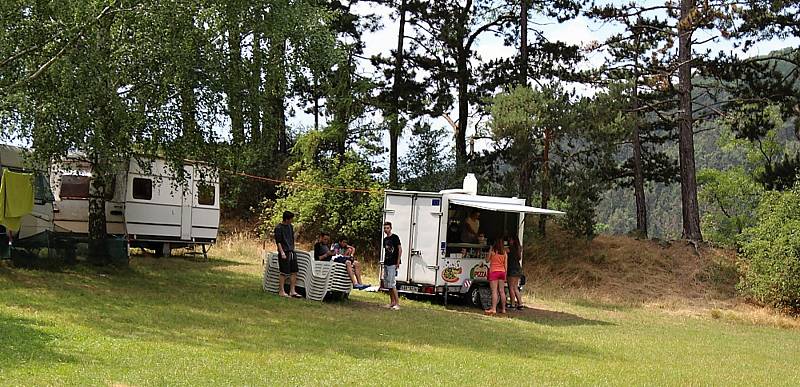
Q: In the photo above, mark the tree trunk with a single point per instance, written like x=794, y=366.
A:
x=638, y=174
x=279, y=98
x=275, y=112
x=691, y=209
x=395, y=123
x=234, y=88
x=104, y=128
x=525, y=173
x=638, y=180
x=316, y=103
x=98, y=254
x=255, y=90
x=188, y=110
x=523, y=44
x=545, y=180
x=463, y=109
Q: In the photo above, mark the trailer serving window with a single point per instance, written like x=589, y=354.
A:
x=142, y=188
x=495, y=220
x=492, y=225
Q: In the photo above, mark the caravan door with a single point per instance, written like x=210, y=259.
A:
x=205, y=209
x=187, y=201
x=424, y=244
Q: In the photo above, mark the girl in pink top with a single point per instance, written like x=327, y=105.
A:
x=498, y=265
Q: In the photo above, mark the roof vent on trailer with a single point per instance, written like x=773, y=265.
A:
x=471, y=184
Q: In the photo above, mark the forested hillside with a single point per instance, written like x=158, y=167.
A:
x=616, y=211
x=715, y=149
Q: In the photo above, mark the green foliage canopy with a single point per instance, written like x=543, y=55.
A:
x=770, y=252
x=319, y=205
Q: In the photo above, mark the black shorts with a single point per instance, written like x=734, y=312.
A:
x=289, y=264
x=342, y=259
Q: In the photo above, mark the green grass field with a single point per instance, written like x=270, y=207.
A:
x=183, y=322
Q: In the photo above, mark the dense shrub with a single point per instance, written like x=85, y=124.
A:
x=729, y=199
x=770, y=252
x=355, y=215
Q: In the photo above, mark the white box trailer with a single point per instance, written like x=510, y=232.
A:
x=41, y=218
x=435, y=260
x=148, y=205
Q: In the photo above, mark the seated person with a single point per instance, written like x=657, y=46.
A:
x=470, y=231
x=322, y=251
x=346, y=254
x=343, y=248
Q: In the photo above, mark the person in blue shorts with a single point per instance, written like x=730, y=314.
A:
x=391, y=260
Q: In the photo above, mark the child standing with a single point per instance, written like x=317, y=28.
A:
x=498, y=265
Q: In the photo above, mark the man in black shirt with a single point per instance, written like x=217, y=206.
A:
x=284, y=239
x=391, y=260
x=322, y=251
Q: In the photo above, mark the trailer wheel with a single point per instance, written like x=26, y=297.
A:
x=481, y=296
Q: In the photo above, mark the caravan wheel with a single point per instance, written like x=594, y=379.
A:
x=162, y=250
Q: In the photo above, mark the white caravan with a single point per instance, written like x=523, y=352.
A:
x=435, y=259
x=147, y=205
x=41, y=218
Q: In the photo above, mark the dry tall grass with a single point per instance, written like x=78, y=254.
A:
x=621, y=269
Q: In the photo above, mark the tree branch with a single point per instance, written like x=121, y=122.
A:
x=61, y=52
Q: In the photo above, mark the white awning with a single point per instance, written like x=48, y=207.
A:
x=505, y=207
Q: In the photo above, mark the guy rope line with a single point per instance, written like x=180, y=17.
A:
x=307, y=185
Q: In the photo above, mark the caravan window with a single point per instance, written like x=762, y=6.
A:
x=77, y=187
x=206, y=194
x=142, y=188
x=42, y=189
x=111, y=186
x=74, y=187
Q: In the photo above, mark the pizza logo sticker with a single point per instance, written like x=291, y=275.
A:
x=452, y=272
x=479, y=271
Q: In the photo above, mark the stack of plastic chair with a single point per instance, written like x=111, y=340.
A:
x=304, y=266
x=339, y=279
x=271, y=273
x=318, y=281
x=316, y=277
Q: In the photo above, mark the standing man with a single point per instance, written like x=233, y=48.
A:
x=284, y=239
x=391, y=260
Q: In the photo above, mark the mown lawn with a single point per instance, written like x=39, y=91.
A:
x=183, y=322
